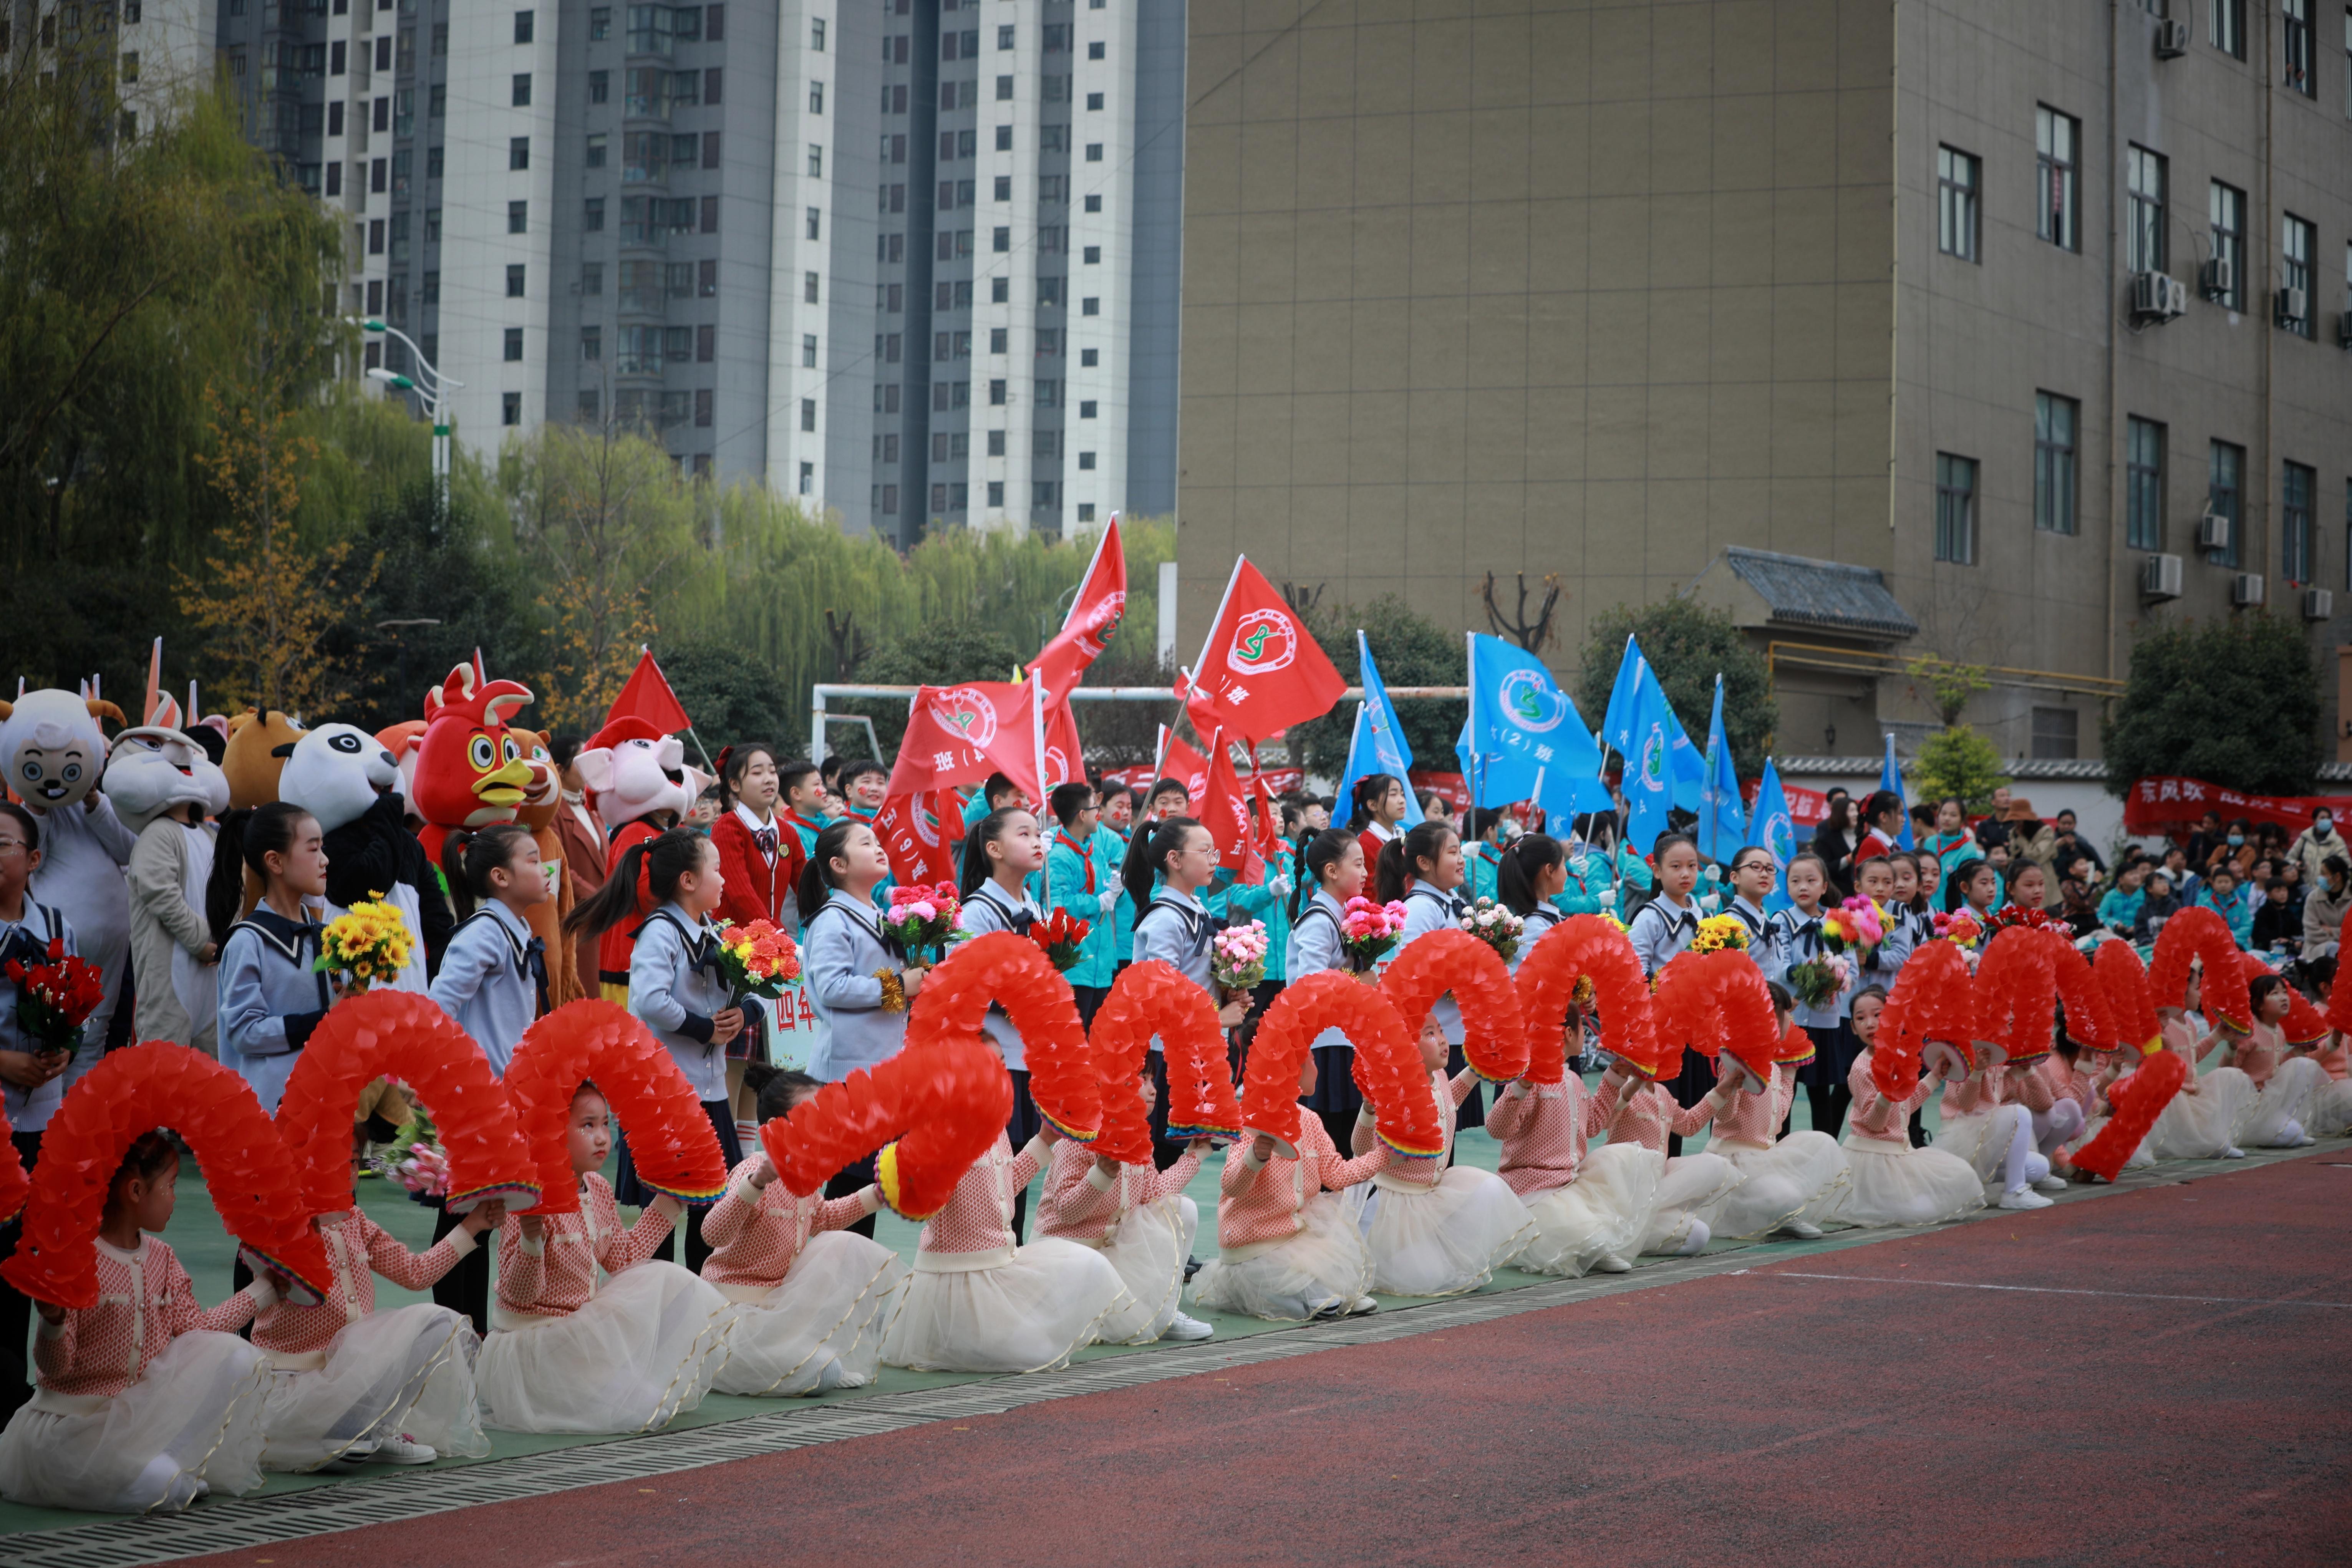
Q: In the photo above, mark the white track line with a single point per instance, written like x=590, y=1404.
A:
x=2042, y=1289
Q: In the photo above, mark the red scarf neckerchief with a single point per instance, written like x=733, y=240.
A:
x=1063, y=838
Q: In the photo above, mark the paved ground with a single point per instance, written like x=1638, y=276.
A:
x=2159, y=1376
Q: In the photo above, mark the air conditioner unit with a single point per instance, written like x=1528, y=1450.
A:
x=2246, y=589
x=2212, y=532
x=2157, y=298
x=2318, y=604
x=2171, y=40
x=2293, y=307
x=2218, y=279
x=2159, y=577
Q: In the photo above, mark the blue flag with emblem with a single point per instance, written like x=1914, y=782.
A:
x=1890, y=778
x=1379, y=745
x=1524, y=739
x=1722, y=819
x=1617, y=724
x=1771, y=826
x=1649, y=781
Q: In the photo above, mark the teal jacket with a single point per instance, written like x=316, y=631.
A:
x=1068, y=871
x=1241, y=902
x=1591, y=891
x=1480, y=863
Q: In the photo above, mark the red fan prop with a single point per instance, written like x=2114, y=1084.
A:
x=1012, y=973
x=247, y=1172
x=2339, y=998
x=2304, y=1025
x=1716, y=1001
x=1587, y=947
x=408, y=1036
x=2130, y=1008
x=2135, y=1103
x=1388, y=1063
x=15, y=1185
x=1934, y=999
x=670, y=1137
x=1152, y=999
x=2194, y=935
x=946, y=1106
x=2089, y=1021
x=2017, y=994
x=1494, y=1035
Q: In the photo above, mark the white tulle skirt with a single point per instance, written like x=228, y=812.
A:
x=1024, y=1315
x=1801, y=1177
x=1602, y=1214
x=1893, y=1184
x=191, y=1424
x=406, y=1372
x=2140, y=1159
x=643, y=1349
x=1323, y=1265
x=2199, y=1126
x=820, y=1327
x=1980, y=1140
x=1442, y=1239
x=1148, y=1249
x=2287, y=1096
x=2331, y=1108
x=1690, y=1183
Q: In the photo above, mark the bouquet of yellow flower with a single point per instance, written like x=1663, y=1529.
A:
x=758, y=959
x=365, y=945
x=1721, y=933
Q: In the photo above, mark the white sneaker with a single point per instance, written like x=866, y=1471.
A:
x=2024, y=1198
x=1364, y=1304
x=1610, y=1263
x=831, y=1376
x=2052, y=1184
x=1803, y=1230
x=1180, y=1327
x=403, y=1450
x=352, y=1458
x=1696, y=1242
x=2233, y=1152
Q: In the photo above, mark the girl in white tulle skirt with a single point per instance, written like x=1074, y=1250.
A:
x=1889, y=1182
x=1641, y=1116
x=145, y=1402
x=2285, y=1085
x=1589, y=1206
x=1432, y=1230
x=1791, y=1183
x=2201, y=1121
x=588, y=1335
x=1140, y=1219
x=808, y=1301
x=980, y=1303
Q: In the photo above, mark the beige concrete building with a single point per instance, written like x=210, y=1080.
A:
x=1606, y=290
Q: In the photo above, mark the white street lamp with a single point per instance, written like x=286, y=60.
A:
x=434, y=388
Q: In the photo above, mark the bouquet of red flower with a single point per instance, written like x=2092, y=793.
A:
x=2009, y=915
x=757, y=959
x=1062, y=937
x=922, y=919
x=55, y=999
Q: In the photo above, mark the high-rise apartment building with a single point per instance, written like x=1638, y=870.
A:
x=2036, y=310
x=758, y=232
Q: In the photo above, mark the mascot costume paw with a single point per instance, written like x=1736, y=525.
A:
x=164, y=788
x=54, y=752
x=637, y=778
x=347, y=779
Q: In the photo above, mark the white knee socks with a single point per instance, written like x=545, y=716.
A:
x=2056, y=1127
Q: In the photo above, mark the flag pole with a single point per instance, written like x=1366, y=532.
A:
x=1037, y=742
x=1223, y=600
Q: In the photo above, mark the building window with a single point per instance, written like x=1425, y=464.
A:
x=2298, y=486
x=2146, y=176
x=2224, y=494
x=2296, y=46
x=2054, y=462
x=600, y=87
x=1004, y=138
x=2227, y=28
x=511, y=408
x=513, y=345
x=1094, y=101
x=517, y=152
x=808, y=470
x=889, y=500
x=808, y=351
x=2144, y=484
x=1086, y=459
x=1958, y=174
x=1086, y=408
x=596, y=145
x=2055, y=732
x=599, y=23
x=997, y=394
x=523, y=29
x=996, y=490
x=2056, y=138
x=2226, y=284
x=591, y=215
x=1955, y=508
x=702, y=408
x=816, y=36
x=816, y=225
x=817, y=98
x=2297, y=240
x=1092, y=256
x=517, y=217
x=514, y=280
x=591, y=406
x=706, y=343
x=521, y=97
x=592, y=343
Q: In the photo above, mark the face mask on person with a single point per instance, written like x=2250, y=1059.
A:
x=2323, y=825
x=2236, y=839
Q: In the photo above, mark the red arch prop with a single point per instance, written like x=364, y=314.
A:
x=670, y=1137
x=1153, y=998
x=1584, y=947
x=2133, y=1104
x=1016, y=975
x=1388, y=1063
x=2200, y=933
x=251, y=1180
x=2089, y=1020
x=15, y=1185
x=409, y=1037
x=1494, y=1035
x=1934, y=999
x=2130, y=1006
x=1715, y=1002
x=2017, y=994
x=945, y=1105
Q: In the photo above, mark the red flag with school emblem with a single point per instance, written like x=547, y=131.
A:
x=1186, y=766
x=961, y=735
x=920, y=832
x=1088, y=629
x=1225, y=813
x=1260, y=672
x=1066, y=758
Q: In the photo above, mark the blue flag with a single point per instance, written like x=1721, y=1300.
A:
x=1772, y=828
x=1722, y=819
x=1649, y=783
x=1379, y=745
x=1524, y=739
x=1617, y=724
x=1890, y=777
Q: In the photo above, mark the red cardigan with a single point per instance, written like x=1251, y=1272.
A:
x=755, y=890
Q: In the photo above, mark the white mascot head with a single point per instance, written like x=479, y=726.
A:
x=336, y=772
x=51, y=746
x=633, y=769
x=158, y=767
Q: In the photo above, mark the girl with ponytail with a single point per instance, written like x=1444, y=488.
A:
x=493, y=978
x=1529, y=873
x=1173, y=925
x=1376, y=804
x=1330, y=871
x=1001, y=852
x=270, y=998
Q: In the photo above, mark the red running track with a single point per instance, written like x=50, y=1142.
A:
x=2187, y=1406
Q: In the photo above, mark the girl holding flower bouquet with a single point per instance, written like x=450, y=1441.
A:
x=32, y=1068
x=1422, y=869
x=1530, y=872
x=1001, y=852
x=1805, y=962
x=1173, y=925
x=273, y=989
x=1662, y=930
x=1334, y=926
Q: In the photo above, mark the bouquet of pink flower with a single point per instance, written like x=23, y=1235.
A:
x=1819, y=981
x=923, y=919
x=1858, y=925
x=1367, y=930
x=758, y=959
x=1237, y=960
x=425, y=1172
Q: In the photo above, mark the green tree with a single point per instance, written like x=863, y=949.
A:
x=1686, y=644
x=1956, y=761
x=729, y=695
x=934, y=655
x=1411, y=650
x=2233, y=702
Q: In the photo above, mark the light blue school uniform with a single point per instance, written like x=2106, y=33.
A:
x=1660, y=931
x=1797, y=939
x=28, y=940
x=492, y=981
x=1431, y=909
x=842, y=949
x=991, y=909
x=1176, y=929
x=270, y=999
x=676, y=988
x=1313, y=947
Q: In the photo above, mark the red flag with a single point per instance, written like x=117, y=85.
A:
x=1260, y=671
x=1093, y=619
x=1066, y=758
x=1270, y=843
x=1225, y=814
x=961, y=735
x=1186, y=766
x=648, y=697
x=920, y=833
